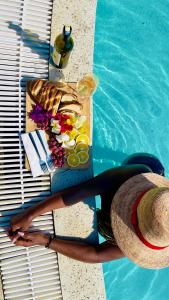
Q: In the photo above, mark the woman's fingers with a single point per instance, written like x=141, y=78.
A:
x=24, y=243
x=20, y=233
x=20, y=222
x=27, y=239
x=25, y=235
x=13, y=236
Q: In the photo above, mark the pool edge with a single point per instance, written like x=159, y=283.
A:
x=80, y=281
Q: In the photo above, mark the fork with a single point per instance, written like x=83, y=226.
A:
x=48, y=156
x=41, y=162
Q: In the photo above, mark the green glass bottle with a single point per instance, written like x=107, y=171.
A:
x=63, y=46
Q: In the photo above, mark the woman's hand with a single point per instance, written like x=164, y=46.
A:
x=27, y=239
x=20, y=222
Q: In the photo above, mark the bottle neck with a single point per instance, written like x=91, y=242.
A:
x=66, y=37
x=67, y=32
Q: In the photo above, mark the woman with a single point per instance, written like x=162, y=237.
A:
x=108, y=185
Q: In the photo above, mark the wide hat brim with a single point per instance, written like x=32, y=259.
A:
x=123, y=230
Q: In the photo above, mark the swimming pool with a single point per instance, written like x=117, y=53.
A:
x=131, y=109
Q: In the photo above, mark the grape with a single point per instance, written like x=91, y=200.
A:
x=52, y=139
x=60, y=153
x=53, y=157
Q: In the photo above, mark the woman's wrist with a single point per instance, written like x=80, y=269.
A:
x=43, y=240
x=49, y=241
x=31, y=213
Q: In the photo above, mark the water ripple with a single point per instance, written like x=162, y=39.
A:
x=131, y=110
x=151, y=286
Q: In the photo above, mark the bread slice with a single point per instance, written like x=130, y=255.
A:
x=69, y=98
x=35, y=86
x=46, y=93
x=73, y=106
x=69, y=113
x=54, y=104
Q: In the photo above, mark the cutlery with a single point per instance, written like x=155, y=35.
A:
x=41, y=161
x=48, y=156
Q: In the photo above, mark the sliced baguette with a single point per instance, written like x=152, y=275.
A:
x=69, y=98
x=34, y=87
x=73, y=106
x=46, y=93
x=69, y=113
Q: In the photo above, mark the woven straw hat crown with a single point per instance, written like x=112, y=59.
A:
x=140, y=220
x=153, y=216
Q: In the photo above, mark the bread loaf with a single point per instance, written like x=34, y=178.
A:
x=54, y=98
x=45, y=93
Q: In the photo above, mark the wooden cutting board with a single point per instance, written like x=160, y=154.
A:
x=87, y=111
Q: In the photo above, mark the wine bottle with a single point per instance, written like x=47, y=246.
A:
x=63, y=46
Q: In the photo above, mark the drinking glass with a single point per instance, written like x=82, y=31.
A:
x=87, y=85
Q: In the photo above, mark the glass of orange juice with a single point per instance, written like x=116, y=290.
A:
x=87, y=85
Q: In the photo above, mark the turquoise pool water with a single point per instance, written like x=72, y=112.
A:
x=131, y=112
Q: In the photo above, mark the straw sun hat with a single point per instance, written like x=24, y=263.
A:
x=140, y=220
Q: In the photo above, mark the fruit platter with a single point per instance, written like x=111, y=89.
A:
x=65, y=116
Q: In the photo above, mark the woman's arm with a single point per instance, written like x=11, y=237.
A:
x=61, y=199
x=105, y=182
x=86, y=252
x=102, y=183
x=66, y=197
x=75, y=194
x=75, y=249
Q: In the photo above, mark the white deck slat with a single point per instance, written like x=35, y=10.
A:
x=27, y=273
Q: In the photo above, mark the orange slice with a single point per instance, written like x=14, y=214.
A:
x=82, y=138
x=83, y=157
x=69, y=151
x=73, y=160
x=81, y=147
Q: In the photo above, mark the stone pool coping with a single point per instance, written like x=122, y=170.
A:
x=79, y=281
